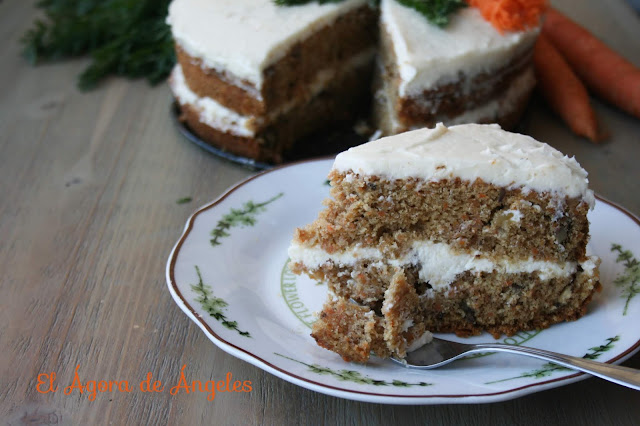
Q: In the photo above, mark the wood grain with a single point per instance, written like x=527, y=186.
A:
x=88, y=215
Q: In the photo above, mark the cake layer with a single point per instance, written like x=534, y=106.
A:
x=246, y=37
x=269, y=138
x=391, y=215
x=322, y=50
x=488, y=101
x=495, y=302
x=428, y=56
x=505, y=108
x=504, y=105
x=219, y=86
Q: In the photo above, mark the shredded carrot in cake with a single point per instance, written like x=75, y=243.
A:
x=511, y=15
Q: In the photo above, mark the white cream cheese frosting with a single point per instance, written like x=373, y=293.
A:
x=439, y=263
x=428, y=56
x=243, y=37
x=469, y=152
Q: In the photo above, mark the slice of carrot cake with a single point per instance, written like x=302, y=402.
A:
x=460, y=229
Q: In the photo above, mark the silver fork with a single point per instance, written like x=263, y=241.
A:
x=440, y=352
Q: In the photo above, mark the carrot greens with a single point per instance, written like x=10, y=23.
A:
x=123, y=37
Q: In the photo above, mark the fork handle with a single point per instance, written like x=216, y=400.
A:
x=625, y=376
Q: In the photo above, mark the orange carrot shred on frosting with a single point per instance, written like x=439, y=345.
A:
x=511, y=15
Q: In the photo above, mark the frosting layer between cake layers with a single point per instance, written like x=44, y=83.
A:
x=438, y=263
x=250, y=34
x=470, y=152
x=429, y=56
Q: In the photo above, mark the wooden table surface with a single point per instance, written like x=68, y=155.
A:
x=88, y=216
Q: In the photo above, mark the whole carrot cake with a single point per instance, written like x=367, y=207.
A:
x=254, y=77
x=460, y=229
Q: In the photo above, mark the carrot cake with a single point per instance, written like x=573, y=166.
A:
x=464, y=72
x=252, y=77
x=461, y=229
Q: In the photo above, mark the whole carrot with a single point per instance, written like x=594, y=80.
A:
x=608, y=74
x=563, y=90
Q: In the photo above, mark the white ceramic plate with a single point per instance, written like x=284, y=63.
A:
x=228, y=273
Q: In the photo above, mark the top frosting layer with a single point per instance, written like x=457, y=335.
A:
x=243, y=37
x=428, y=56
x=470, y=151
